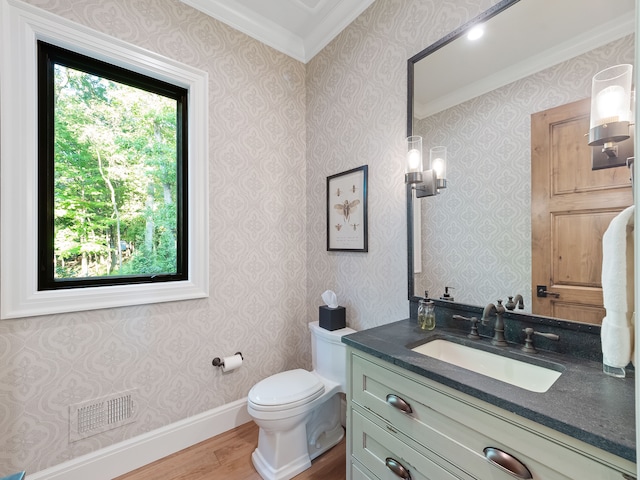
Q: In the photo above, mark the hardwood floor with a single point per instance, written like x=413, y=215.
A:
x=228, y=456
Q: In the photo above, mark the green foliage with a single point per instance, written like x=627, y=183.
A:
x=115, y=178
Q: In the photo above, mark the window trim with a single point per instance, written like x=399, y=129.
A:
x=22, y=26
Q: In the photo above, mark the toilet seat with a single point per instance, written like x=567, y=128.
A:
x=285, y=390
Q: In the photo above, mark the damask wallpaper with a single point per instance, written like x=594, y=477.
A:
x=257, y=257
x=356, y=115
x=286, y=127
x=477, y=234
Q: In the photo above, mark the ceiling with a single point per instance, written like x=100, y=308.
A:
x=298, y=28
x=518, y=42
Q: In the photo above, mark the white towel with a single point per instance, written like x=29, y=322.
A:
x=618, y=290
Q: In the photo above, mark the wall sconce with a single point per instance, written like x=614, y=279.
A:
x=434, y=178
x=611, y=117
x=438, y=162
x=413, y=173
x=426, y=182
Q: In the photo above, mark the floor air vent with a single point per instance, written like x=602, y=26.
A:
x=102, y=414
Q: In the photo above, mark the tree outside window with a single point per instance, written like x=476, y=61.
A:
x=111, y=174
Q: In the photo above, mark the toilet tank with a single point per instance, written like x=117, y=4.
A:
x=329, y=353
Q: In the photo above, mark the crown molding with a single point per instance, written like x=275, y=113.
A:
x=278, y=36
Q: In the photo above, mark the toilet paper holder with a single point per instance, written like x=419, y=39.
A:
x=218, y=362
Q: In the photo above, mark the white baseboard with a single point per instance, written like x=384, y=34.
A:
x=136, y=452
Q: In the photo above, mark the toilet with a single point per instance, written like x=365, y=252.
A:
x=298, y=411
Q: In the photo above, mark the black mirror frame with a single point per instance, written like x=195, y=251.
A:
x=458, y=32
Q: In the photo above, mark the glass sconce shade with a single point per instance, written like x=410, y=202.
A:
x=425, y=183
x=611, y=105
x=438, y=162
x=413, y=172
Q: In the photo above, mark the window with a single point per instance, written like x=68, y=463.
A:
x=111, y=204
x=110, y=277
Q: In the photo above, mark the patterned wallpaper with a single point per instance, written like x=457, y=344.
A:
x=257, y=257
x=477, y=234
x=286, y=127
x=356, y=115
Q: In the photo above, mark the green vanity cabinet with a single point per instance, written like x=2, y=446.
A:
x=403, y=425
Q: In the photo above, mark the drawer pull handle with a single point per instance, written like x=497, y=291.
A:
x=507, y=462
x=397, y=402
x=397, y=468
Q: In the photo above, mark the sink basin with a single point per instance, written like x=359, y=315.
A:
x=515, y=372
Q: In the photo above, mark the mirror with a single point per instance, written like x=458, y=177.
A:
x=477, y=99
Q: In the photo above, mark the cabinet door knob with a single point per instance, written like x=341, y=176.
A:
x=507, y=462
x=397, y=468
x=397, y=402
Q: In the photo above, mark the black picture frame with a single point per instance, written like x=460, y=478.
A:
x=347, y=223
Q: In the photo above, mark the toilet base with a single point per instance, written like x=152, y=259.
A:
x=299, y=465
x=330, y=439
x=267, y=472
x=282, y=455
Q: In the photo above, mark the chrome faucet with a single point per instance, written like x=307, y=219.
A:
x=498, y=329
x=513, y=301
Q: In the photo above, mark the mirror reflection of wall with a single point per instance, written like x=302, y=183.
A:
x=476, y=236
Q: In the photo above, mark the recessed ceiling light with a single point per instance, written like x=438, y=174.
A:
x=476, y=32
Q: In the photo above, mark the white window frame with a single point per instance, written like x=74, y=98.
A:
x=22, y=26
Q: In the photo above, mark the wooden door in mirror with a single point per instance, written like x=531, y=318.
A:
x=571, y=208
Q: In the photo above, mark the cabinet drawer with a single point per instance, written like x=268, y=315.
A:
x=458, y=429
x=359, y=472
x=373, y=445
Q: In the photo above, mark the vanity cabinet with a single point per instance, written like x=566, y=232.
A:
x=403, y=425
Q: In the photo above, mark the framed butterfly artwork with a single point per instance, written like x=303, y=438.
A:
x=347, y=211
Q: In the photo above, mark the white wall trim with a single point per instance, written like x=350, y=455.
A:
x=21, y=25
x=335, y=22
x=136, y=452
x=284, y=37
x=258, y=27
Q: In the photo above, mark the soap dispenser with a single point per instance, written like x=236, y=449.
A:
x=446, y=295
x=426, y=314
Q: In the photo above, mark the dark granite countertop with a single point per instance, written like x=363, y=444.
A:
x=583, y=403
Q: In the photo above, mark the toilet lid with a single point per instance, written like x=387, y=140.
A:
x=286, y=389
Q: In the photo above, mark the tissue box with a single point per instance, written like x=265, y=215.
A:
x=332, y=318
